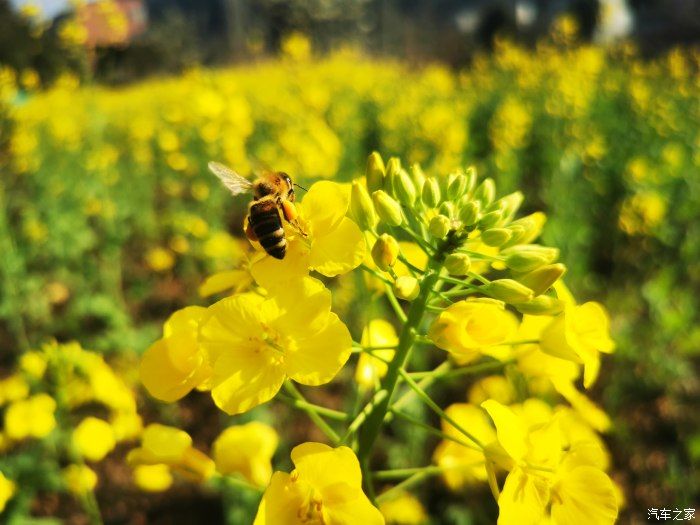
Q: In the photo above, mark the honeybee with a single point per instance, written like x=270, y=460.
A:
x=273, y=195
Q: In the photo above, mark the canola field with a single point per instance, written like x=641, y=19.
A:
x=111, y=225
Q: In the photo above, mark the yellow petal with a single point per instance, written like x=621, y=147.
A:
x=169, y=368
x=236, y=280
x=184, y=321
x=319, y=357
x=245, y=377
x=585, y=496
x=281, y=502
x=271, y=273
x=354, y=511
x=339, y=250
x=294, y=320
x=153, y=478
x=324, y=466
x=509, y=429
x=324, y=206
x=164, y=444
x=93, y=438
x=522, y=500
x=246, y=449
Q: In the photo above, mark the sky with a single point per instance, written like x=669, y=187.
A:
x=49, y=8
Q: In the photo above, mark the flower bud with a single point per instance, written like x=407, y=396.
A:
x=516, y=233
x=375, y=172
x=361, y=207
x=404, y=189
x=431, y=193
x=541, y=279
x=387, y=208
x=495, y=236
x=447, y=209
x=510, y=204
x=385, y=252
x=457, y=187
x=439, y=226
x=457, y=264
x=469, y=213
x=485, y=192
x=417, y=175
x=508, y=290
x=541, y=305
x=489, y=220
x=532, y=224
x=406, y=288
x=528, y=257
x=471, y=178
x=393, y=167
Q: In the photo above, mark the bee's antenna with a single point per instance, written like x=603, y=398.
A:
x=300, y=186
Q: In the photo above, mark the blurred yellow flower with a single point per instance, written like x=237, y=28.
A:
x=246, y=450
x=273, y=339
x=324, y=487
x=13, y=388
x=377, y=333
x=404, y=509
x=93, y=438
x=7, y=490
x=296, y=46
x=171, y=446
x=79, y=479
x=153, y=478
x=32, y=417
x=160, y=259
x=174, y=365
x=491, y=387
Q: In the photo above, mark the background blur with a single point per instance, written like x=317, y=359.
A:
x=109, y=221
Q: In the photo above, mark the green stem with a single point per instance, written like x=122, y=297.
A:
x=315, y=417
x=406, y=472
x=375, y=273
x=424, y=383
x=323, y=411
x=233, y=481
x=435, y=408
x=362, y=416
x=427, y=248
x=463, y=370
x=394, y=302
x=431, y=430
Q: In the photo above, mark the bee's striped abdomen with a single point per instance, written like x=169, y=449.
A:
x=267, y=226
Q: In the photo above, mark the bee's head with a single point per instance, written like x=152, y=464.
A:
x=288, y=185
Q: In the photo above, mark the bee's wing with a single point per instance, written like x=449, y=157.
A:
x=232, y=180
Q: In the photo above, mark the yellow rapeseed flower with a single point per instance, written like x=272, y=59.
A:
x=160, y=259
x=404, y=509
x=377, y=333
x=174, y=365
x=164, y=445
x=93, y=438
x=466, y=327
x=33, y=417
x=325, y=487
x=579, y=334
x=247, y=450
x=79, y=479
x=253, y=343
x=335, y=244
x=7, y=490
x=153, y=478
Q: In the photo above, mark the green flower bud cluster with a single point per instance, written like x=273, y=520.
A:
x=461, y=218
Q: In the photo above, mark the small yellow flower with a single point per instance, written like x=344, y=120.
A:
x=254, y=343
x=171, y=446
x=467, y=327
x=579, y=334
x=7, y=490
x=160, y=259
x=13, y=388
x=325, y=487
x=33, y=363
x=370, y=369
x=231, y=280
x=335, y=244
x=464, y=464
x=404, y=509
x=79, y=479
x=153, y=478
x=248, y=450
x=33, y=417
x=174, y=365
x=94, y=438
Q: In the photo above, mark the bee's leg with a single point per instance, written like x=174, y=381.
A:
x=250, y=233
x=290, y=214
